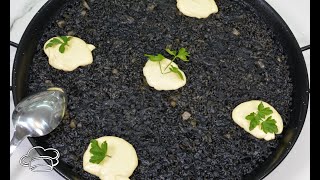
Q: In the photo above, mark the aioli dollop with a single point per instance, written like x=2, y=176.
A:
x=242, y=110
x=163, y=81
x=119, y=166
x=77, y=53
x=197, y=8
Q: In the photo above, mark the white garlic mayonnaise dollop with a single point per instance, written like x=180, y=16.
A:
x=197, y=8
x=77, y=53
x=120, y=165
x=163, y=81
x=242, y=110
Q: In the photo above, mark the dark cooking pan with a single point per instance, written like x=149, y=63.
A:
x=30, y=39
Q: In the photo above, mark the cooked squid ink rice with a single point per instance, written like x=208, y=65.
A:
x=235, y=57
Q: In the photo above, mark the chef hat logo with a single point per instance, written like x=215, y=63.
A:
x=36, y=162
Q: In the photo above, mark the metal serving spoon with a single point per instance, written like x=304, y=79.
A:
x=37, y=115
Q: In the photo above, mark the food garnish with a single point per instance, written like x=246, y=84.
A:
x=121, y=163
x=98, y=152
x=63, y=42
x=268, y=125
x=258, y=118
x=68, y=52
x=182, y=55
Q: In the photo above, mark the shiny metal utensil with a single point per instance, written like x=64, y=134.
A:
x=37, y=115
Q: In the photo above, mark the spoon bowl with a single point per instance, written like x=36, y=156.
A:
x=37, y=115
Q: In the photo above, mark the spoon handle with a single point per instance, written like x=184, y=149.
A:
x=15, y=141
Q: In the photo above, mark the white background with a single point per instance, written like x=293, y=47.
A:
x=296, y=13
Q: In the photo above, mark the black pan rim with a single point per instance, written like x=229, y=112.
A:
x=302, y=113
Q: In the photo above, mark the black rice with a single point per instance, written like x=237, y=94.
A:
x=110, y=96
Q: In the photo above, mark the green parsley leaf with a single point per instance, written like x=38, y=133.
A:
x=64, y=38
x=62, y=48
x=183, y=54
x=260, y=106
x=262, y=111
x=269, y=125
x=173, y=53
x=53, y=42
x=254, y=121
x=56, y=41
x=251, y=116
x=49, y=45
x=177, y=71
x=158, y=57
x=98, y=153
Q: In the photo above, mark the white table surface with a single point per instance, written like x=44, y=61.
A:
x=296, y=13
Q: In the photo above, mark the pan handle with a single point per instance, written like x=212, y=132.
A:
x=14, y=44
x=304, y=48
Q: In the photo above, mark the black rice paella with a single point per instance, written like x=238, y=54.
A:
x=234, y=57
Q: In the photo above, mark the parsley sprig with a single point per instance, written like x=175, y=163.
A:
x=267, y=125
x=56, y=41
x=176, y=70
x=98, y=153
x=182, y=55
